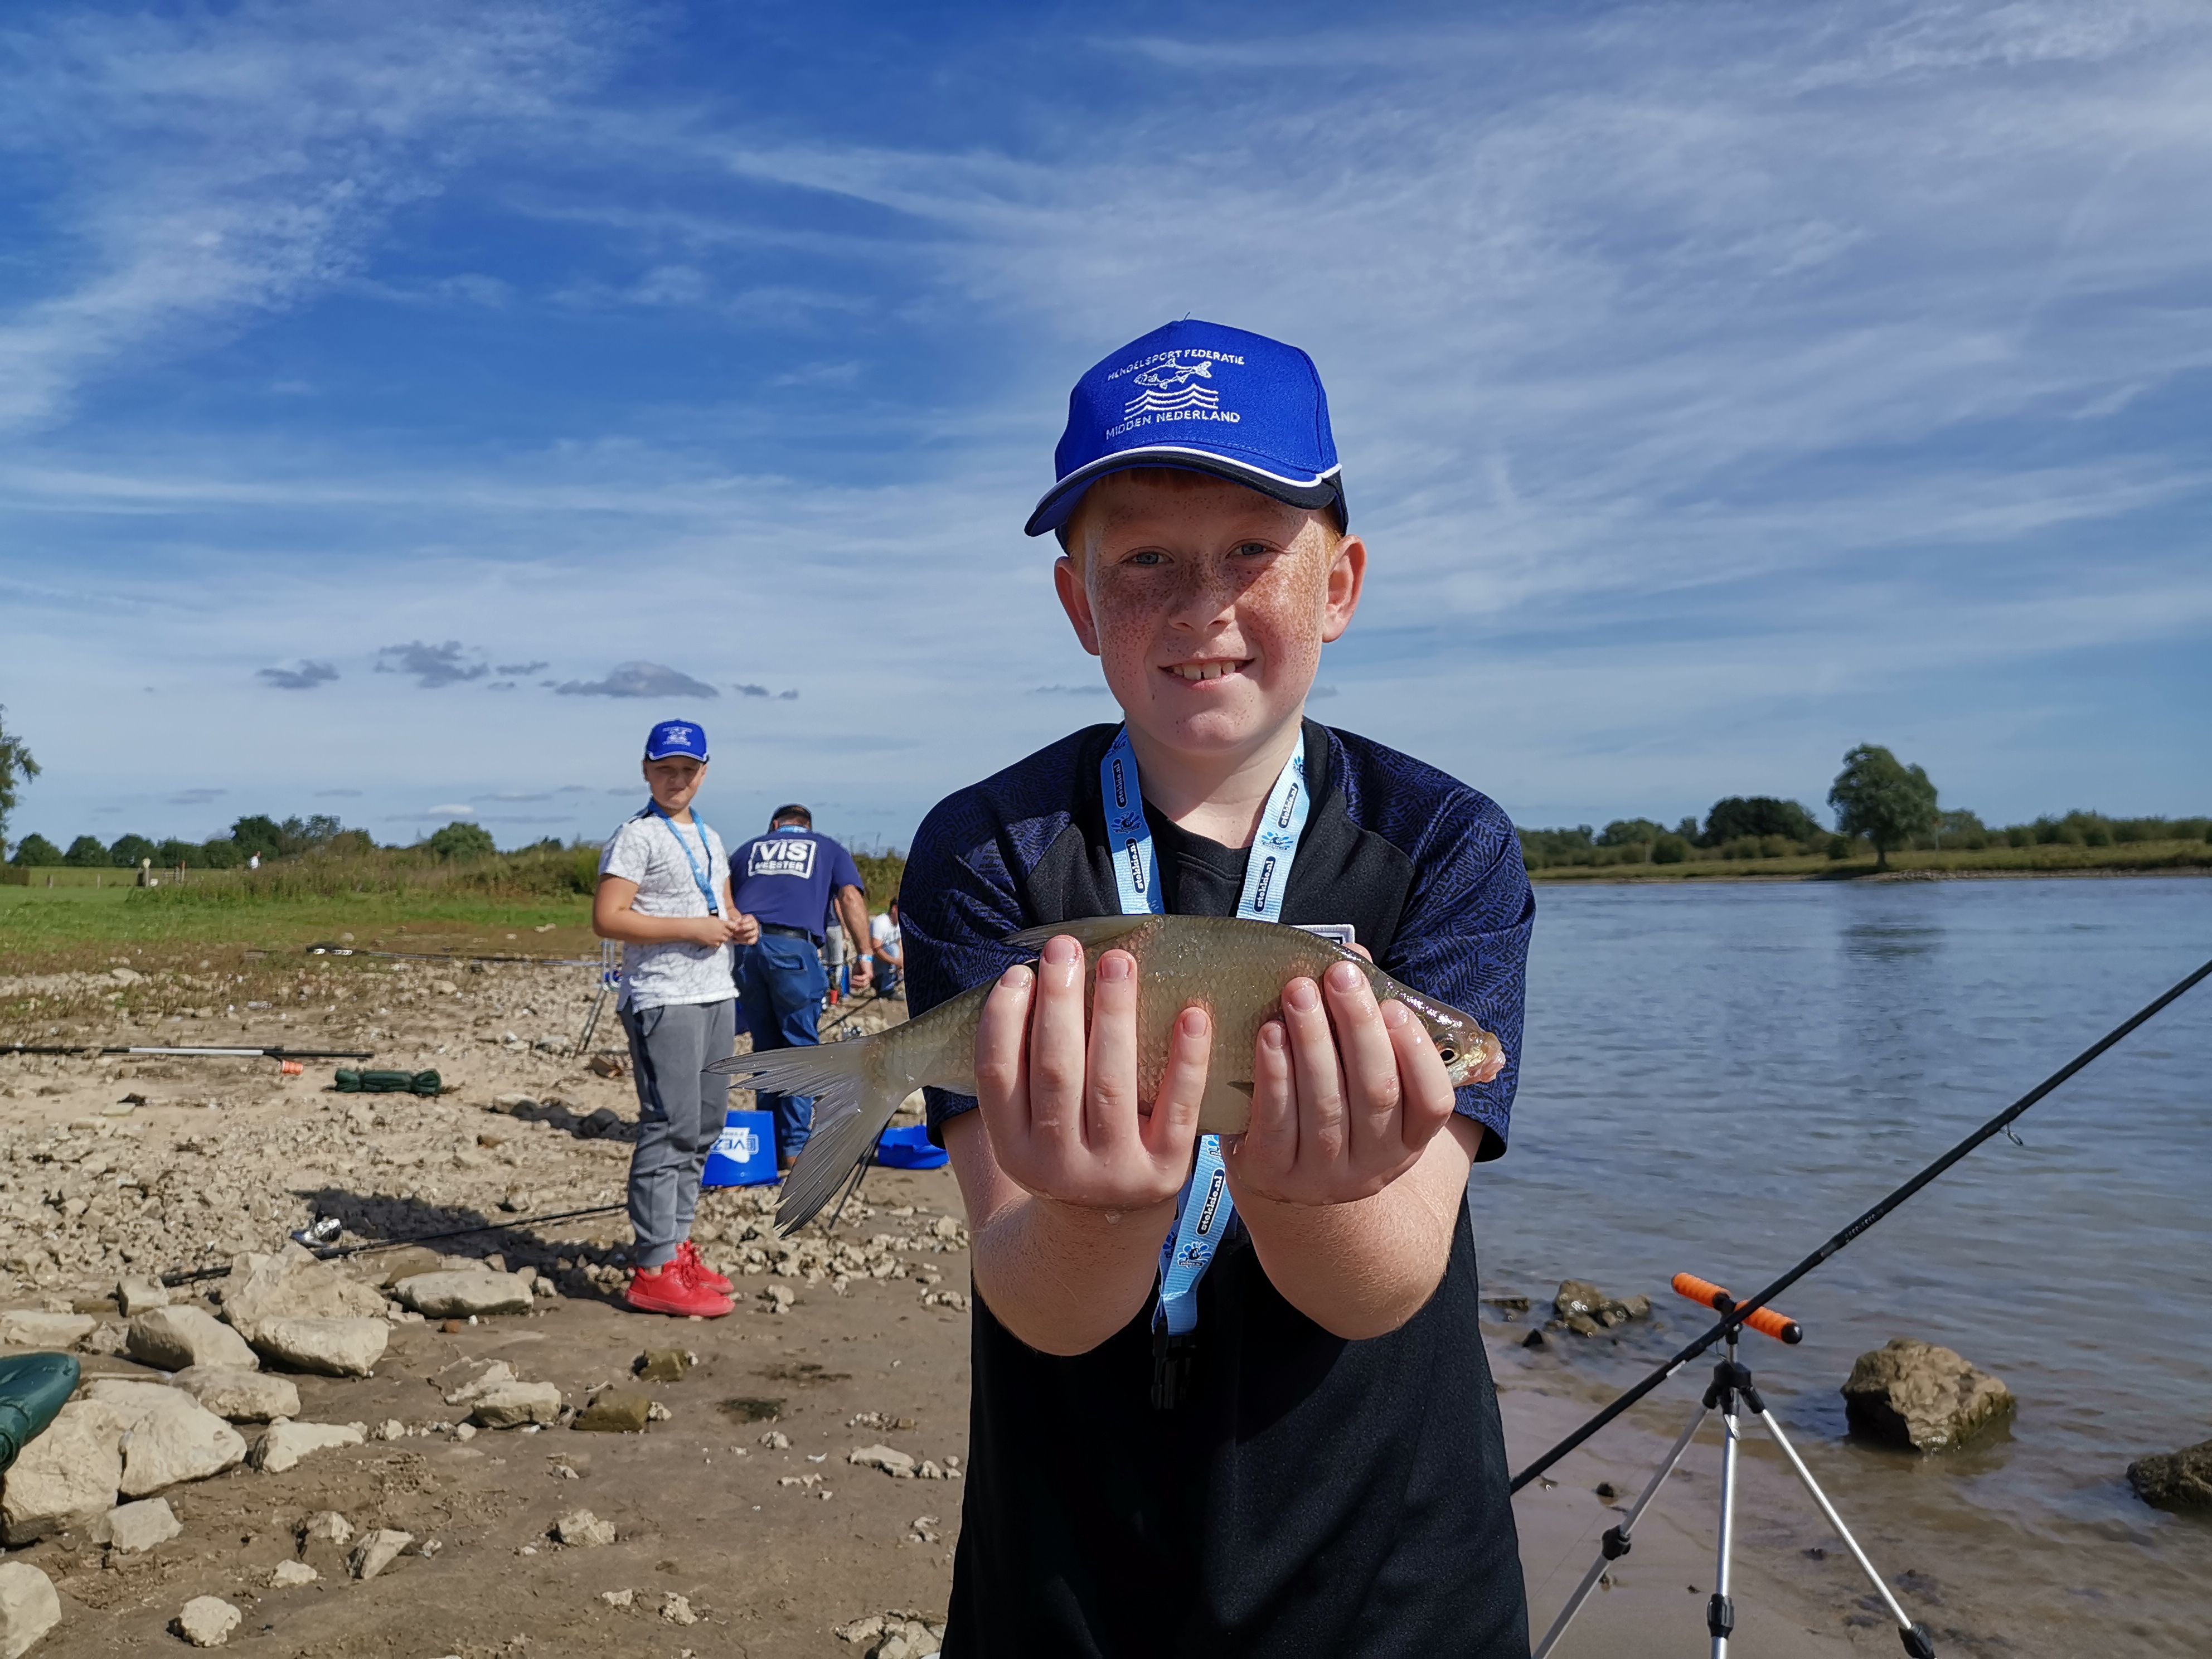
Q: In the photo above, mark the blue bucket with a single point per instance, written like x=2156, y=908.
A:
x=743, y=1154
x=909, y=1149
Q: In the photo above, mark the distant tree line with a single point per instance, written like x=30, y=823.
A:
x=272, y=840
x=1879, y=801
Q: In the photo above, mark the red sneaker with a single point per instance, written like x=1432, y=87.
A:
x=671, y=1291
x=696, y=1269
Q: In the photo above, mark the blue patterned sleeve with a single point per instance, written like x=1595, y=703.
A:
x=1464, y=937
x=957, y=900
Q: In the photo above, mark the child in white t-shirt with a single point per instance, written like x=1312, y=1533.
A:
x=664, y=891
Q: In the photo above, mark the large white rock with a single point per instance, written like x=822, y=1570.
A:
x=168, y=1436
x=207, y=1621
x=240, y=1396
x=511, y=1405
x=292, y=1285
x=286, y=1443
x=477, y=1378
x=583, y=1529
x=28, y=1327
x=177, y=1338
x=134, y=1528
x=28, y=1607
x=457, y=1293
x=135, y=1296
x=377, y=1551
x=331, y=1347
x=64, y=1478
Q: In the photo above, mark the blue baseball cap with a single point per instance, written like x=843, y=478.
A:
x=672, y=737
x=1204, y=398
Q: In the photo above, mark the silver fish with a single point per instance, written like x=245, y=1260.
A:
x=1234, y=969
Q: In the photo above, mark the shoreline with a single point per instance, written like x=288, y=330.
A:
x=1619, y=876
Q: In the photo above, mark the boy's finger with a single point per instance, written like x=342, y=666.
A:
x=1369, y=1060
x=1001, y=1079
x=1427, y=1086
x=1270, y=1145
x=1323, y=1133
x=1172, y=1127
x=1110, y=1089
x=1056, y=1059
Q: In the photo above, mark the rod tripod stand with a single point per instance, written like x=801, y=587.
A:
x=1731, y=1389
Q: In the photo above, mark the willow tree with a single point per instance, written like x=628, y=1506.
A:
x=1878, y=796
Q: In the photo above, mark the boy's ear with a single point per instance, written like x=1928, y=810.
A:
x=1347, y=577
x=1075, y=600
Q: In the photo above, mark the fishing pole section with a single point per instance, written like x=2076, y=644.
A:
x=1732, y=1388
x=1739, y=1314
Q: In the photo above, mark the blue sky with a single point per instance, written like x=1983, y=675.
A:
x=389, y=393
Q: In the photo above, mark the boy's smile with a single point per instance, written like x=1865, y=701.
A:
x=1207, y=605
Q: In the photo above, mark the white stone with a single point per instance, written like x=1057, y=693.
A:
x=458, y=1294
x=28, y=1327
x=621, y=1598
x=286, y=1443
x=583, y=1529
x=168, y=1436
x=238, y=1395
x=676, y=1610
x=333, y=1347
x=292, y=1286
x=478, y=1378
x=290, y=1574
x=513, y=1403
x=28, y=1607
x=66, y=1477
x=889, y=1459
x=377, y=1551
x=207, y=1621
x=136, y=1296
x=176, y=1338
x=133, y=1528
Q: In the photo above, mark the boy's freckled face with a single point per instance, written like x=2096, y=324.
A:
x=674, y=782
x=1206, y=604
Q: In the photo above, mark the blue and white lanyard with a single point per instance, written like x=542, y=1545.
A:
x=698, y=875
x=1205, y=1207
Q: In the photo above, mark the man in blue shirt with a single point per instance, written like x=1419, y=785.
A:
x=788, y=879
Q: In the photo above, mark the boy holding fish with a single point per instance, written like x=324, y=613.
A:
x=1230, y=1393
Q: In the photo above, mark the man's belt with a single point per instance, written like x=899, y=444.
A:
x=778, y=928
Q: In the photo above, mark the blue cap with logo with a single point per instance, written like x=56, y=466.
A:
x=672, y=737
x=1205, y=398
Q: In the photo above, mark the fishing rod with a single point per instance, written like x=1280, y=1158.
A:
x=328, y=950
x=188, y=1052
x=1742, y=1312
x=312, y=1236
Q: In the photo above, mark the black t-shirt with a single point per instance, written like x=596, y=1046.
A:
x=1311, y=1495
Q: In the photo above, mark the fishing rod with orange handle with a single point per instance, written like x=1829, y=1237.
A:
x=1739, y=1314
x=1767, y=1322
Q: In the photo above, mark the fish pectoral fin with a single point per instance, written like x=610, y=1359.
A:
x=1243, y=1088
x=1091, y=932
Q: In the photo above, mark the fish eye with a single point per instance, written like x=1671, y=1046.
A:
x=1448, y=1054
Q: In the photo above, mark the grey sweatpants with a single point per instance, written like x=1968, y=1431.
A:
x=681, y=1106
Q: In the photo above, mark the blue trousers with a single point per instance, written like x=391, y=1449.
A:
x=781, y=985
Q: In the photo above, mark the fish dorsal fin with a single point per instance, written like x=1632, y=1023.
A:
x=1091, y=932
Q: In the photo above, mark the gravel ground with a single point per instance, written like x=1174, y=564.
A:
x=737, y=1509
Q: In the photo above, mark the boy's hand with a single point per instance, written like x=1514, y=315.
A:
x=711, y=931
x=1063, y=1114
x=744, y=929
x=1345, y=1097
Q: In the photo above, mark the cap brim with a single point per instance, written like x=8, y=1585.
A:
x=1057, y=503
x=673, y=754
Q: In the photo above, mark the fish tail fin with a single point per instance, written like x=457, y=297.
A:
x=851, y=1107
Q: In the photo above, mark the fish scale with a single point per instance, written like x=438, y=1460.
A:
x=1234, y=969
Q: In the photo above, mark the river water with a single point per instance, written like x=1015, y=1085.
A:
x=1715, y=1079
